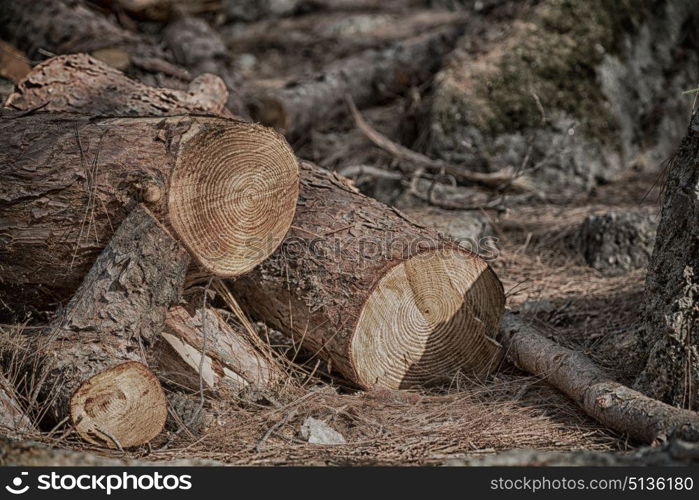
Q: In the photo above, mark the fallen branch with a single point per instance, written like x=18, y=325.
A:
x=616, y=406
x=414, y=160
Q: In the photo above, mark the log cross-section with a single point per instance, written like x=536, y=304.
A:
x=92, y=358
x=225, y=188
x=386, y=302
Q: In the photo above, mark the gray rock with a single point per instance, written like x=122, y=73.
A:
x=617, y=242
x=318, y=432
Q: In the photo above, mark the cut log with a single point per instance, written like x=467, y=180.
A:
x=225, y=188
x=367, y=78
x=670, y=333
x=610, y=403
x=386, y=302
x=92, y=358
x=13, y=419
x=80, y=83
x=230, y=363
x=195, y=45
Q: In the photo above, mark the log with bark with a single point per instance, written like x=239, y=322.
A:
x=225, y=188
x=614, y=405
x=80, y=83
x=669, y=337
x=367, y=78
x=230, y=363
x=91, y=359
x=386, y=302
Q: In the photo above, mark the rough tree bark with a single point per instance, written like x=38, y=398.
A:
x=610, y=403
x=92, y=358
x=80, y=83
x=230, y=363
x=386, y=302
x=226, y=189
x=366, y=77
x=670, y=334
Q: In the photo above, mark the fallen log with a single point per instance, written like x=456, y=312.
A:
x=80, y=83
x=367, y=78
x=13, y=419
x=230, y=362
x=385, y=302
x=92, y=358
x=225, y=188
x=610, y=403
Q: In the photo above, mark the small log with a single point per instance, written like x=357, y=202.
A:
x=366, y=78
x=230, y=363
x=225, y=188
x=386, y=302
x=12, y=417
x=80, y=83
x=610, y=403
x=92, y=358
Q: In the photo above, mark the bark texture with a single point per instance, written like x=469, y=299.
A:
x=226, y=188
x=616, y=406
x=80, y=83
x=670, y=334
x=231, y=362
x=386, y=302
x=92, y=358
x=366, y=77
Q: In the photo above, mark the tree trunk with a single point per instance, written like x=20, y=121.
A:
x=670, y=334
x=386, y=302
x=91, y=358
x=79, y=83
x=366, y=77
x=230, y=363
x=610, y=403
x=12, y=417
x=225, y=188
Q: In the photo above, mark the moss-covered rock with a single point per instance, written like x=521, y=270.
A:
x=560, y=76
